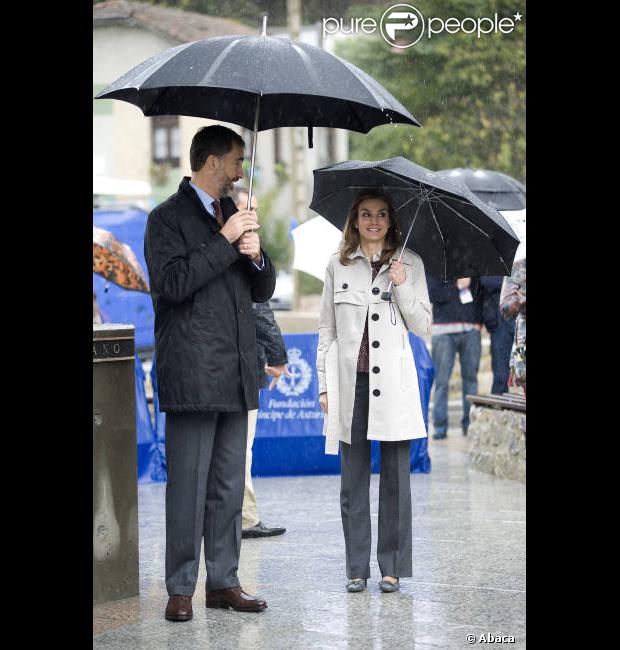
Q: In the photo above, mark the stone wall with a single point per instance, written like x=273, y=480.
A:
x=497, y=442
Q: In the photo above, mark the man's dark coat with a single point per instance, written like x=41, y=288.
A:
x=202, y=290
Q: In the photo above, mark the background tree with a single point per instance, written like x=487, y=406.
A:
x=468, y=92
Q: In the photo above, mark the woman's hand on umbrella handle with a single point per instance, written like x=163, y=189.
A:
x=275, y=372
x=397, y=273
x=323, y=402
x=239, y=223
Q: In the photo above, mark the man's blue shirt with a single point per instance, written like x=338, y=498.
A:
x=207, y=201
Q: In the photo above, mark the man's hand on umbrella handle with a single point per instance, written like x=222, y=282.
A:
x=397, y=273
x=239, y=223
x=323, y=402
x=249, y=244
x=275, y=372
x=463, y=283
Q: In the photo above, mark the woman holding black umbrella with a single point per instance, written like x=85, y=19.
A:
x=368, y=382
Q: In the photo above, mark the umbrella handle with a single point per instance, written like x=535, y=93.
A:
x=387, y=295
x=255, y=136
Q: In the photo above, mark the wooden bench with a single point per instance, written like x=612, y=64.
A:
x=510, y=401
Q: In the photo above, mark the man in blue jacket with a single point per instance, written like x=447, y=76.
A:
x=457, y=321
x=206, y=267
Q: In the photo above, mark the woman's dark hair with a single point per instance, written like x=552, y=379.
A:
x=351, y=237
x=215, y=140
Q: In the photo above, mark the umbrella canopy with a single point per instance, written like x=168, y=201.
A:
x=116, y=262
x=224, y=77
x=259, y=82
x=315, y=241
x=455, y=234
x=498, y=190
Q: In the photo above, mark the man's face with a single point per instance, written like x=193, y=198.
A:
x=242, y=201
x=229, y=169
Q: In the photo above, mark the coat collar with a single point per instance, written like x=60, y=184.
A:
x=360, y=253
x=356, y=253
x=228, y=205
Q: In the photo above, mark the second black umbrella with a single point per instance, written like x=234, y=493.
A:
x=498, y=190
x=455, y=234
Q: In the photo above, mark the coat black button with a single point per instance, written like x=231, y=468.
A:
x=345, y=286
x=376, y=290
x=376, y=392
x=375, y=344
x=375, y=369
x=375, y=316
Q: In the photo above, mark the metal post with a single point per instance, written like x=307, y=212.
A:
x=387, y=295
x=254, y=138
x=255, y=135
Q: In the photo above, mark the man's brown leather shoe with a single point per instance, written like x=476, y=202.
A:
x=236, y=598
x=179, y=608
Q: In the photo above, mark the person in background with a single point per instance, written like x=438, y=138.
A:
x=501, y=331
x=272, y=359
x=512, y=306
x=97, y=320
x=457, y=321
x=367, y=375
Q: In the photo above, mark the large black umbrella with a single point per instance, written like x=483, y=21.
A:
x=259, y=82
x=455, y=234
x=498, y=190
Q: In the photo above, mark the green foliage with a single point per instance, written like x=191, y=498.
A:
x=273, y=231
x=468, y=92
x=309, y=285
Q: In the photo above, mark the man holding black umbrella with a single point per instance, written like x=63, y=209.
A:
x=206, y=268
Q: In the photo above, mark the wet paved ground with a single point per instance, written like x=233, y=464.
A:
x=468, y=571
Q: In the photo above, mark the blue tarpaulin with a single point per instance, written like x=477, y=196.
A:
x=289, y=438
x=151, y=453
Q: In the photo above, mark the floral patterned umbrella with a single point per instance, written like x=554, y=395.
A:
x=116, y=262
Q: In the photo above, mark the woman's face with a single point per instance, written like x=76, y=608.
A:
x=373, y=220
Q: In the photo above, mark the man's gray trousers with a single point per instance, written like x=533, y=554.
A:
x=205, y=459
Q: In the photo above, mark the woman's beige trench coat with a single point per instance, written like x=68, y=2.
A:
x=349, y=296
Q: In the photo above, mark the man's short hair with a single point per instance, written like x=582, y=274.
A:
x=215, y=140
